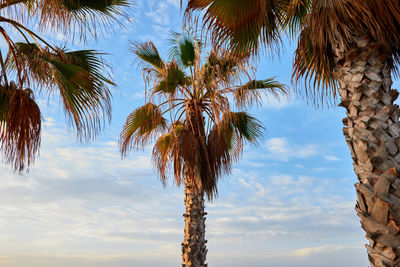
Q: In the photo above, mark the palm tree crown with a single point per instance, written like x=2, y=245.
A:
x=204, y=134
x=32, y=64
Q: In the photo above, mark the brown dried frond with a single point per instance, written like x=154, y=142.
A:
x=20, y=132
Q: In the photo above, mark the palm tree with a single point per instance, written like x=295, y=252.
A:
x=204, y=135
x=352, y=46
x=32, y=64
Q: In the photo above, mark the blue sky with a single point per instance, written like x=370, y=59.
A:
x=289, y=202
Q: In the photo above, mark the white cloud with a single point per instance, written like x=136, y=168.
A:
x=84, y=206
x=279, y=148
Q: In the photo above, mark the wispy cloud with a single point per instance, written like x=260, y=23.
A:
x=279, y=148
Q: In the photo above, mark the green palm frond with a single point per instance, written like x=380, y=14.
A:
x=141, y=126
x=245, y=25
x=226, y=139
x=148, y=56
x=252, y=92
x=20, y=131
x=183, y=48
x=294, y=14
x=78, y=75
x=246, y=127
x=68, y=15
x=240, y=23
x=173, y=77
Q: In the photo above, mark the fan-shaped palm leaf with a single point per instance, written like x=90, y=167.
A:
x=244, y=25
x=141, y=126
x=78, y=76
x=148, y=55
x=251, y=93
x=173, y=78
x=183, y=48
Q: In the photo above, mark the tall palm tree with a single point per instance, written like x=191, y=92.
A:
x=32, y=64
x=351, y=47
x=204, y=135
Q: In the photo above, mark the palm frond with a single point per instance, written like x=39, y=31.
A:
x=252, y=92
x=240, y=23
x=78, y=75
x=173, y=78
x=141, y=126
x=226, y=139
x=20, y=131
x=183, y=47
x=67, y=15
x=162, y=153
x=294, y=14
x=148, y=56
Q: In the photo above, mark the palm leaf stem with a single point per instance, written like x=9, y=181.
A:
x=176, y=113
x=11, y=46
x=170, y=100
x=172, y=107
x=31, y=33
x=180, y=116
x=209, y=113
x=10, y=3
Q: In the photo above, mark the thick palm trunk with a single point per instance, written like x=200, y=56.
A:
x=372, y=132
x=193, y=247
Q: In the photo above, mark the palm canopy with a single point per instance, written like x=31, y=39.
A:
x=245, y=25
x=203, y=134
x=31, y=62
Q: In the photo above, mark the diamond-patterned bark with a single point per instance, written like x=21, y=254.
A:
x=193, y=247
x=372, y=131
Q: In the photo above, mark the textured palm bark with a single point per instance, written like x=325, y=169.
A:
x=372, y=131
x=194, y=250
x=193, y=247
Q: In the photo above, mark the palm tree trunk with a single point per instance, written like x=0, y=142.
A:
x=193, y=247
x=372, y=131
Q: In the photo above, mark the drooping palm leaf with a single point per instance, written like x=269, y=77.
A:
x=141, y=126
x=242, y=23
x=252, y=92
x=78, y=75
x=148, y=55
x=167, y=150
x=245, y=25
x=20, y=131
x=82, y=14
x=161, y=154
x=225, y=141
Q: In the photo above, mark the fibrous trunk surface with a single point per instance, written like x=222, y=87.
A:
x=193, y=247
x=372, y=131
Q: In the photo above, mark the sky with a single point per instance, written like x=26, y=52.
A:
x=288, y=202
